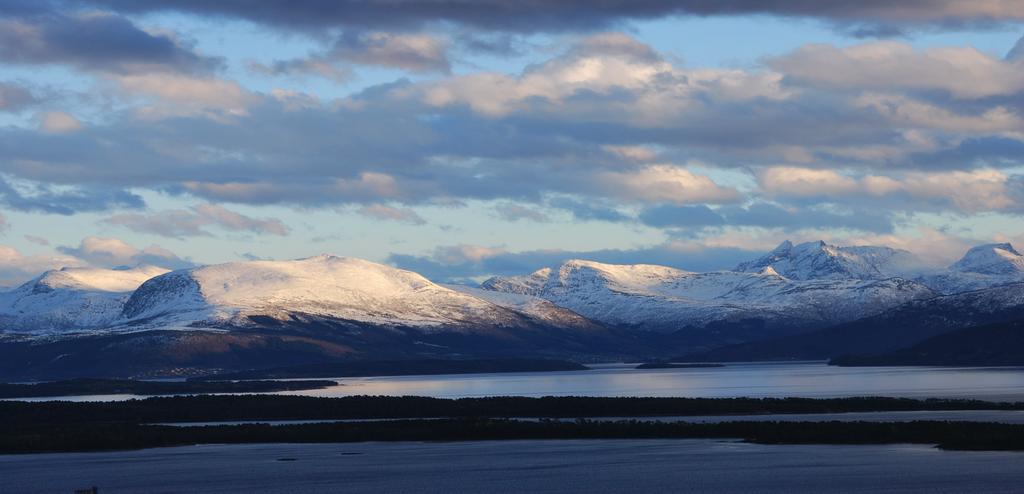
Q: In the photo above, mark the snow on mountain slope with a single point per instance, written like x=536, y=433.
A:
x=539, y=308
x=71, y=298
x=323, y=286
x=982, y=267
x=664, y=298
x=818, y=260
x=993, y=259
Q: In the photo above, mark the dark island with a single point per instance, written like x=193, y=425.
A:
x=39, y=427
x=81, y=387
x=672, y=365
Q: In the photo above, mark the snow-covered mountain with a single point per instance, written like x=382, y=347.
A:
x=666, y=299
x=71, y=298
x=993, y=259
x=819, y=260
x=982, y=267
x=325, y=286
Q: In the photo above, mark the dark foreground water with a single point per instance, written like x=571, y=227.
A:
x=520, y=466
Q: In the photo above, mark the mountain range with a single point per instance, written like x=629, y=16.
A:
x=811, y=300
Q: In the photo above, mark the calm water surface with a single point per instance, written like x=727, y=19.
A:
x=804, y=379
x=591, y=467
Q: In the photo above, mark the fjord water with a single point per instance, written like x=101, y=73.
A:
x=802, y=379
x=759, y=379
x=586, y=466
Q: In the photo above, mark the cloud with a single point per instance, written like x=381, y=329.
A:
x=37, y=240
x=305, y=66
x=1017, y=52
x=418, y=53
x=608, y=122
x=575, y=15
x=665, y=183
x=37, y=197
x=58, y=122
x=967, y=191
x=462, y=263
x=193, y=222
x=384, y=212
x=111, y=252
x=587, y=210
x=515, y=212
x=681, y=216
x=804, y=182
x=412, y=52
x=175, y=95
x=14, y=97
x=764, y=215
x=16, y=267
x=888, y=65
x=94, y=41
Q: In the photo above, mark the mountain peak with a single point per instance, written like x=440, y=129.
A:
x=820, y=260
x=784, y=248
x=998, y=259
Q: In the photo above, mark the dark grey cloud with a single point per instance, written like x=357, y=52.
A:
x=587, y=210
x=15, y=97
x=413, y=52
x=1017, y=52
x=681, y=216
x=93, y=41
x=443, y=266
x=569, y=15
x=766, y=215
x=35, y=197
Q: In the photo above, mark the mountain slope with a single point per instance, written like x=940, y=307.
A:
x=898, y=328
x=981, y=267
x=997, y=344
x=665, y=299
x=818, y=260
x=70, y=299
x=328, y=286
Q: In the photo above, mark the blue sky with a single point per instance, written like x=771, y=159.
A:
x=472, y=141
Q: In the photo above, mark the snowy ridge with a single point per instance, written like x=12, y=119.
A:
x=325, y=286
x=982, y=267
x=819, y=260
x=659, y=297
x=71, y=298
x=992, y=259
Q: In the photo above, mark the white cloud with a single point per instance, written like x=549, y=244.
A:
x=665, y=183
x=16, y=267
x=58, y=122
x=102, y=251
x=890, y=65
x=969, y=191
x=804, y=182
x=175, y=95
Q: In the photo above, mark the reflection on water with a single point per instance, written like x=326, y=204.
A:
x=805, y=379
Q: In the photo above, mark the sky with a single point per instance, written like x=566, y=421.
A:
x=465, y=139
